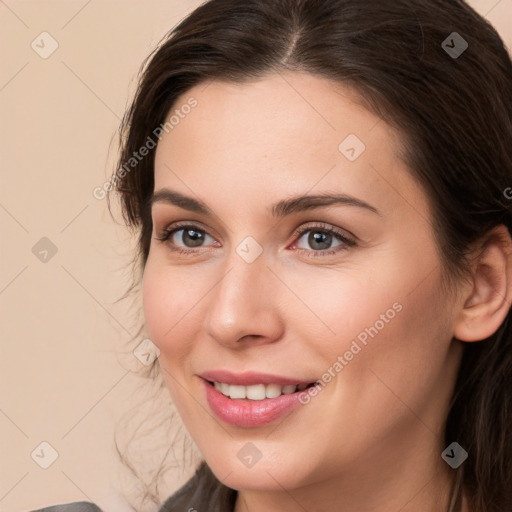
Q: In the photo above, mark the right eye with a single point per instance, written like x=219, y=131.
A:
x=184, y=238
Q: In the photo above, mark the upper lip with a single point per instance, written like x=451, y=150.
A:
x=250, y=378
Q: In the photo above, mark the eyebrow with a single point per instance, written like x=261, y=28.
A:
x=279, y=209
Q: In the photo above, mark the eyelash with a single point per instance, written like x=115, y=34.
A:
x=167, y=233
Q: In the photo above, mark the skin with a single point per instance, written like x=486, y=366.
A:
x=371, y=440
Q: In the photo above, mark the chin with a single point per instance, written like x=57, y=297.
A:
x=262, y=476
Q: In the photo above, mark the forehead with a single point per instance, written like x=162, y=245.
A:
x=284, y=133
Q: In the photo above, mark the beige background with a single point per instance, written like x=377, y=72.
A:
x=64, y=377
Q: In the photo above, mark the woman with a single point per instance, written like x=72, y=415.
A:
x=319, y=189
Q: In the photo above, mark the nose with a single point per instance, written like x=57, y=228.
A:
x=243, y=307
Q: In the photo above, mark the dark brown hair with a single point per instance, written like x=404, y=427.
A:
x=454, y=115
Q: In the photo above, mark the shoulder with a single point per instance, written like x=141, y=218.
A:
x=77, y=506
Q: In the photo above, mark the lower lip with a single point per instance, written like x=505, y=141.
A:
x=249, y=413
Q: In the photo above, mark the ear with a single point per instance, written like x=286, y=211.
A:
x=487, y=300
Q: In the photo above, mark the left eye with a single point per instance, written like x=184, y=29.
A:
x=320, y=239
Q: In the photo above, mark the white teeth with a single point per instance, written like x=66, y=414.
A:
x=257, y=391
x=290, y=388
x=237, y=391
x=273, y=391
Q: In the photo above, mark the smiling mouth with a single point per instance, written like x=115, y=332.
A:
x=258, y=391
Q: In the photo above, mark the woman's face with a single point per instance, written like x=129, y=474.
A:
x=343, y=291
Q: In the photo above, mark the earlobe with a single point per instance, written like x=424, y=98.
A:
x=486, y=306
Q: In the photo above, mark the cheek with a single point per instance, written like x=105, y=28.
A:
x=391, y=322
x=395, y=356
x=342, y=306
x=153, y=301
x=165, y=306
